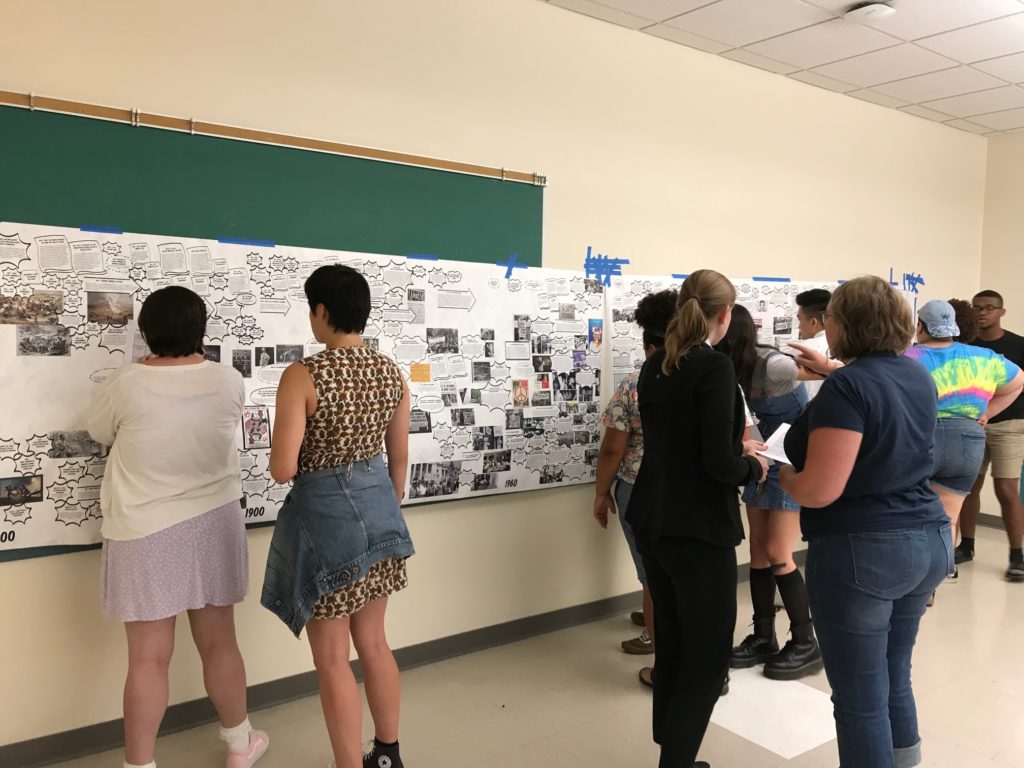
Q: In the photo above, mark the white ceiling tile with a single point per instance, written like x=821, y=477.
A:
x=927, y=114
x=980, y=102
x=884, y=66
x=1001, y=121
x=919, y=18
x=939, y=85
x=964, y=125
x=659, y=10
x=1015, y=132
x=837, y=7
x=982, y=41
x=877, y=98
x=603, y=12
x=822, y=44
x=1010, y=68
x=746, y=57
x=823, y=82
x=740, y=22
x=685, y=38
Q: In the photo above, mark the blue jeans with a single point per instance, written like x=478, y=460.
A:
x=623, y=490
x=868, y=592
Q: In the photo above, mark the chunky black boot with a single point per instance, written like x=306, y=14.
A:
x=800, y=656
x=756, y=648
x=382, y=756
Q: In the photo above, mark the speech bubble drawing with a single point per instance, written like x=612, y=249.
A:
x=270, y=374
x=13, y=250
x=436, y=278
x=17, y=514
x=71, y=471
x=114, y=339
x=72, y=514
x=453, y=276
x=430, y=403
x=442, y=433
x=8, y=448
x=37, y=444
x=246, y=299
x=28, y=465
x=263, y=396
x=397, y=278
x=447, y=451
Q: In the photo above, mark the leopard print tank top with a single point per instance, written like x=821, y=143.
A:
x=357, y=391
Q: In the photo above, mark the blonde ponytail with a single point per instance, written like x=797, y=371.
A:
x=702, y=296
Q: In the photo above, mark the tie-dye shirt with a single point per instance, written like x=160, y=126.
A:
x=965, y=377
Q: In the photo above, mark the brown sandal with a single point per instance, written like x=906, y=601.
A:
x=646, y=676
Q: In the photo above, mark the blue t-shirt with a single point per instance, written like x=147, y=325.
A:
x=891, y=400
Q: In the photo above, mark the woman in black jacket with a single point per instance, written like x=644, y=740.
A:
x=685, y=510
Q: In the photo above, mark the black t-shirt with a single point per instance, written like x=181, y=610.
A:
x=1010, y=346
x=891, y=400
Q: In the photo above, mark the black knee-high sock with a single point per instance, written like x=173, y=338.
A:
x=762, y=592
x=794, y=597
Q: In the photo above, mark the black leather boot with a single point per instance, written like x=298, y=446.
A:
x=756, y=648
x=800, y=656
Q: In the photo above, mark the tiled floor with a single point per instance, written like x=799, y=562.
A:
x=570, y=699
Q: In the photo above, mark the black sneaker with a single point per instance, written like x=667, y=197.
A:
x=725, y=687
x=1015, y=571
x=377, y=755
x=962, y=554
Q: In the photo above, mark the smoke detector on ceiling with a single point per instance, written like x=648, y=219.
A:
x=870, y=12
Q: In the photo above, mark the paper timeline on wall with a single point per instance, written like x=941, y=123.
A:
x=505, y=373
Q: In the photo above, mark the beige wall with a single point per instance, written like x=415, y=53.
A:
x=1003, y=265
x=670, y=157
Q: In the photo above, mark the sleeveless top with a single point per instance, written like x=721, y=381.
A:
x=357, y=392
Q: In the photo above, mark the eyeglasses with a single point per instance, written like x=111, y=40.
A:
x=980, y=308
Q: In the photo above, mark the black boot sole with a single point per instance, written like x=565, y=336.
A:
x=796, y=673
x=752, y=661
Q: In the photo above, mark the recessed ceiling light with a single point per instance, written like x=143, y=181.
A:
x=870, y=12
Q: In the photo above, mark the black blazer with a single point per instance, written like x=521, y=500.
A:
x=693, y=421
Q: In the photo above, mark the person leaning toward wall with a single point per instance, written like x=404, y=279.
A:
x=173, y=530
x=340, y=543
x=878, y=538
x=622, y=452
x=684, y=510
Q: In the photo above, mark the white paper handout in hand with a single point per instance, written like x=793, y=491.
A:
x=774, y=446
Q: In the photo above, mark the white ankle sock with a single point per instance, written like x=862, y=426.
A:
x=151, y=764
x=237, y=738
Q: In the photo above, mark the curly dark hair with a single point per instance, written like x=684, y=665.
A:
x=654, y=313
x=966, y=320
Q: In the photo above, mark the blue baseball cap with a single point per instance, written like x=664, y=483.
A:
x=939, y=318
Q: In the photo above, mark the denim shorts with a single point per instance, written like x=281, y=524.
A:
x=623, y=490
x=769, y=494
x=959, y=449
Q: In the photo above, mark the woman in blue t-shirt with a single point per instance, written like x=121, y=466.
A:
x=878, y=538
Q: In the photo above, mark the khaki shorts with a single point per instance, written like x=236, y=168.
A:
x=1004, y=448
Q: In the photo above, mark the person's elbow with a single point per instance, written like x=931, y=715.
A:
x=283, y=473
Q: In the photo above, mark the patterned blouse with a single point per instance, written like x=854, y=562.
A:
x=623, y=414
x=357, y=392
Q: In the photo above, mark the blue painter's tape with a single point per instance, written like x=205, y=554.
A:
x=680, y=277
x=97, y=228
x=772, y=279
x=421, y=256
x=840, y=281
x=240, y=241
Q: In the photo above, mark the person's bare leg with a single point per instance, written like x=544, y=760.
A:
x=783, y=531
x=213, y=629
x=952, y=503
x=757, y=519
x=971, y=509
x=339, y=694
x=150, y=645
x=383, y=687
x=1008, y=493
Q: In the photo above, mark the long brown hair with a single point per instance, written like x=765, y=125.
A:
x=703, y=295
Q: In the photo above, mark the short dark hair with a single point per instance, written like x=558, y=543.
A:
x=173, y=322
x=345, y=295
x=814, y=302
x=654, y=313
x=966, y=320
x=990, y=295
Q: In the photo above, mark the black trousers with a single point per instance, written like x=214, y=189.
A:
x=693, y=586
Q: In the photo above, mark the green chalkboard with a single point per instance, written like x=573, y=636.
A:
x=73, y=171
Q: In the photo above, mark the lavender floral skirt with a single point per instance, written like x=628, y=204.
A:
x=198, y=562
